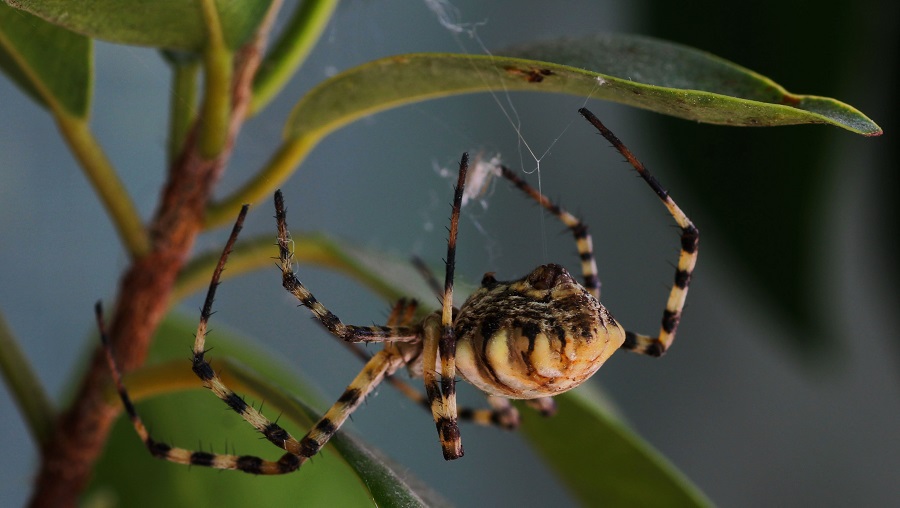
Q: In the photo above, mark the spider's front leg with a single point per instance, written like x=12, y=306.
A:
x=288, y=462
x=687, y=259
x=441, y=338
x=349, y=333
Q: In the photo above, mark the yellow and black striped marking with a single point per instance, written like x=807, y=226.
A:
x=331, y=322
x=290, y=461
x=501, y=413
x=579, y=231
x=439, y=341
x=690, y=238
x=530, y=338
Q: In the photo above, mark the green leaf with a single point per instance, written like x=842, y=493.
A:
x=171, y=24
x=655, y=75
x=602, y=461
x=347, y=473
x=701, y=87
x=733, y=94
x=51, y=64
x=289, y=51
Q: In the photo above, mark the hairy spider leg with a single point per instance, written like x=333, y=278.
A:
x=274, y=433
x=690, y=237
x=381, y=364
x=331, y=322
x=440, y=338
x=579, y=230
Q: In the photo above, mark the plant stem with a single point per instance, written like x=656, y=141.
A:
x=294, y=44
x=25, y=386
x=182, y=102
x=282, y=164
x=217, y=64
x=106, y=183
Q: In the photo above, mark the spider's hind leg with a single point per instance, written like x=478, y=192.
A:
x=380, y=365
x=546, y=406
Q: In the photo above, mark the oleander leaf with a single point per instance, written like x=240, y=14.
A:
x=170, y=24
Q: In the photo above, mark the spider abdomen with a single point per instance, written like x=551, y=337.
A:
x=535, y=337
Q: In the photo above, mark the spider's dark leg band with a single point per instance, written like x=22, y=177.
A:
x=249, y=464
x=439, y=337
x=350, y=333
x=690, y=238
x=380, y=365
x=160, y=450
x=579, y=230
x=278, y=436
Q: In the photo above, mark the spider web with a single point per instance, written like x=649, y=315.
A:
x=486, y=166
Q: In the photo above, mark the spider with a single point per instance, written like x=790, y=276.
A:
x=530, y=338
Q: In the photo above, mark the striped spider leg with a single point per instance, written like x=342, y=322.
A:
x=687, y=259
x=653, y=346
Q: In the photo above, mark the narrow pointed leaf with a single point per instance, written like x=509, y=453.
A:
x=51, y=64
x=667, y=78
x=796, y=177
x=170, y=24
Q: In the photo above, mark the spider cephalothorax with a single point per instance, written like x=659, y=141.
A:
x=530, y=338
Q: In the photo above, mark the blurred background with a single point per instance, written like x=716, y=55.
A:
x=782, y=387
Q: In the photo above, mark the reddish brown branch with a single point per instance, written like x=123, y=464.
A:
x=81, y=432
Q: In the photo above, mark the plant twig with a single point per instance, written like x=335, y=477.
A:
x=294, y=44
x=218, y=65
x=182, y=100
x=280, y=166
